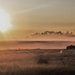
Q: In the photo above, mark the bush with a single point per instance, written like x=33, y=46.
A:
x=42, y=59
x=70, y=47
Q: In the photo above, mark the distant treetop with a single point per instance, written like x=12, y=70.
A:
x=70, y=47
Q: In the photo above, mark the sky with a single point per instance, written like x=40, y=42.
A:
x=31, y=16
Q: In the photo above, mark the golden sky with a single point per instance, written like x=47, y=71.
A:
x=31, y=16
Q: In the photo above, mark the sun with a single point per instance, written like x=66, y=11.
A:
x=4, y=21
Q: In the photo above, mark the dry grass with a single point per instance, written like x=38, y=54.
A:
x=36, y=70
x=37, y=62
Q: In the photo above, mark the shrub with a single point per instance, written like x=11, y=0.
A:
x=70, y=47
x=42, y=59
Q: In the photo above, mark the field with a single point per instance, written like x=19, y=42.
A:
x=37, y=62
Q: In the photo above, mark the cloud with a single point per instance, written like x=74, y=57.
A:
x=59, y=33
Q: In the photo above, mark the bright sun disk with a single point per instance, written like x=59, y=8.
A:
x=4, y=21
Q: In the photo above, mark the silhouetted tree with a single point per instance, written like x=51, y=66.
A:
x=70, y=47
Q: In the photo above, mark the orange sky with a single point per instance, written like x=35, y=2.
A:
x=31, y=16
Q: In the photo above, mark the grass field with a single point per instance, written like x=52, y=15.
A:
x=37, y=62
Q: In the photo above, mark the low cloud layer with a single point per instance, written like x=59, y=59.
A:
x=52, y=36
x=60, y=33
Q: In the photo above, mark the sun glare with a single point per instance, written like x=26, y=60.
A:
x=4, y=21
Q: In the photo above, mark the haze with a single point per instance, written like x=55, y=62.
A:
x=31, y=16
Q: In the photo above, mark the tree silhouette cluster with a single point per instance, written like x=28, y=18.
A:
x=70, y=47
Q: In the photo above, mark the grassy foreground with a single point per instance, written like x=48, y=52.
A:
x=36, y=70
x=37, y=62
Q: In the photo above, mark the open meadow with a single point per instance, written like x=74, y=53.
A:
x=37, y=62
